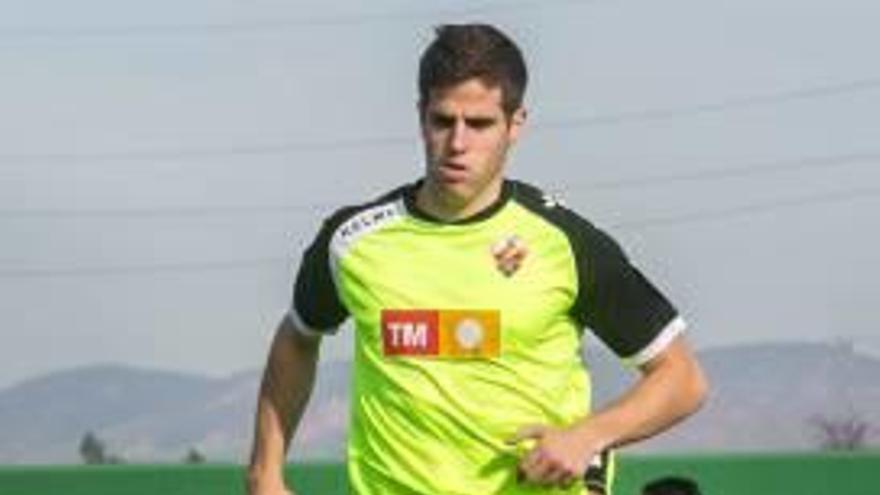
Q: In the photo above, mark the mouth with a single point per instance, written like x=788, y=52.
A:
x=452, y=172
x=453, y=165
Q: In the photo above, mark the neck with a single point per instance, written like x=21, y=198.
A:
x=441, y=204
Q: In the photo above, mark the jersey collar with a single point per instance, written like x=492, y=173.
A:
x=409, y=199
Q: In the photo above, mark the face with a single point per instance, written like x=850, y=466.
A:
x=467, y=136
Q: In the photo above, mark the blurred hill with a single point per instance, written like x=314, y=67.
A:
x=154, y=415
x=767, y=397
x=764, y=397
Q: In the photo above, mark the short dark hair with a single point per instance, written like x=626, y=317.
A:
x=671, y=485
x=461, y=52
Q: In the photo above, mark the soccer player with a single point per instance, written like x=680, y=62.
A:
x=469, y=293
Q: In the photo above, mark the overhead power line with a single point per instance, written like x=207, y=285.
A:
x=146, y=269
x=219, y=152
x=158, y=212
x=274, y=26
x=749, y=210
x=766, y=99
x=735, y=171
x=756, y=169
x=274, y=262
x=737, y=103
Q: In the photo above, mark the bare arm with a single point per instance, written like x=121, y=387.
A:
x=672, y=386
x=284, y=392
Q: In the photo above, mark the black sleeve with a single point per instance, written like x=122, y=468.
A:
x=614, y=299
x=315, y=297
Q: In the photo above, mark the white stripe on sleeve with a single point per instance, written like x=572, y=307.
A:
x=660, y=342
x=300, y=326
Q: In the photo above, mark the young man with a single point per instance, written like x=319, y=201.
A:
x=469, y=294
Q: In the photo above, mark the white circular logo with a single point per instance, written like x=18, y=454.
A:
x=469, y=334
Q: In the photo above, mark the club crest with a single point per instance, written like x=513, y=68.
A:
x=509, y=254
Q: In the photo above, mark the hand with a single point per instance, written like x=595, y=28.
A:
x=559, y=456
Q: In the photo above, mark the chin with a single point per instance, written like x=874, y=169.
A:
x=458, y=192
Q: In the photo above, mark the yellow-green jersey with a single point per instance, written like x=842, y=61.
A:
x=453, y=354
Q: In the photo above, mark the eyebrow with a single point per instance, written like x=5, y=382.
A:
x=480, y=122
x=445, y=120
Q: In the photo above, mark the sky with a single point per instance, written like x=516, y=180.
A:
x=163, y=164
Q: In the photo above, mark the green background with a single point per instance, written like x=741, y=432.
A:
x=784, y=474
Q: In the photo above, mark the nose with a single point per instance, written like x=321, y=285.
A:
x=458, y=139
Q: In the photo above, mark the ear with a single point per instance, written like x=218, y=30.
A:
x=517, y=121
x=420, y=110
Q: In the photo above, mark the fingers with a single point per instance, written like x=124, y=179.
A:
x=544, y=464
x=542, y=470
x=530, y=432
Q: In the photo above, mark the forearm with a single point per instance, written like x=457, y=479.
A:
x=671, y=387
x=286, y=386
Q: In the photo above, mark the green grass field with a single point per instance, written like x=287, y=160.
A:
x=765, y=474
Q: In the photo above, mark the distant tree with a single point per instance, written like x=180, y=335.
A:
x=92, y=449
x=194, y=456
x=848, y=432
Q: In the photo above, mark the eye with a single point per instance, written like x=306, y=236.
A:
x=440, y=121
x=480, y=123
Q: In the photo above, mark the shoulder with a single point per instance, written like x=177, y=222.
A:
x=551, y=207
x=350, y=222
